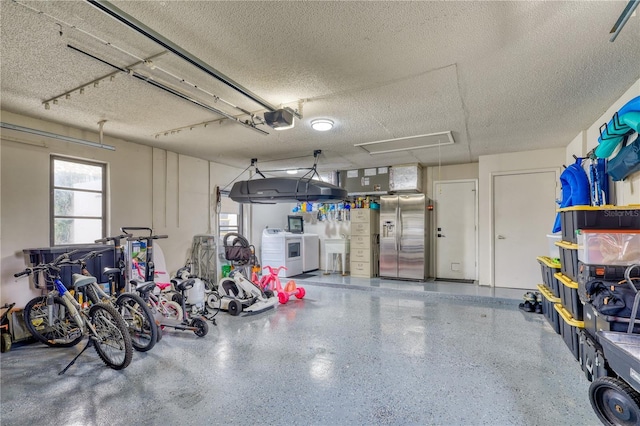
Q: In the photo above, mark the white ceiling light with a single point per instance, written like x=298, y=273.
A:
x=321, y=124
x=292, y=172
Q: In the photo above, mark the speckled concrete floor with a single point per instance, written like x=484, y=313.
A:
x=340, y=356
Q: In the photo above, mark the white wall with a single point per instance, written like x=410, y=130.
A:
x=449, y=172
x=171, y=193
x=625, y=192
x=181, y=203
x=628, y=191
x=490, y=164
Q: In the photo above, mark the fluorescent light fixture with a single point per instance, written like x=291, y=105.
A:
x=407, y=143
x=321, y=124
x=292, y=172
x=55, y=136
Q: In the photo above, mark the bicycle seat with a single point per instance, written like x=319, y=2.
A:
x=186, y=285
x=111, y=271
x=80, y=280
x=144, y=288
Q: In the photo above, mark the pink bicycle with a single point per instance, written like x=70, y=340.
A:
x=272, y=282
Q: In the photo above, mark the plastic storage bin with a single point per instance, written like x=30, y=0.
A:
x=592, y=359
x=608, y=247
x=569, y=328
x=586, y=273
x=604, y=217
x=548, y=268
x=548, y=301
x=554, y=253
x=95, y=266
x=569, y=259
x=569, y=296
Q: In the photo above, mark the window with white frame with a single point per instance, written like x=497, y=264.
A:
x=78, y=201
x=229, y=217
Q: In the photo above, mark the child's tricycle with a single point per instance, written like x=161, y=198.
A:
x=272, y=282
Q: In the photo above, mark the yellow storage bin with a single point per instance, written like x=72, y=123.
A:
x=548, y=268
x=548, y=302
x=569, y=296
x=569, y=328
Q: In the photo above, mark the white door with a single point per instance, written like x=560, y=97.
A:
x=524, y=210
x=455, y=205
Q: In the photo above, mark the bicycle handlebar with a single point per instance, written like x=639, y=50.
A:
x=93, y=254
x=27, y=271
x=115, y=238
x=150, y=237
x=274, y=271
x=136, y=228
x=64, y=256
x=60, y=261
x=38, y=268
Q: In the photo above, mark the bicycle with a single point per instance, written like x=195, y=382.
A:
x=135, y=312
x=119, y=270
x=140, y=320
x=149, y=266
x=196, y=324
x=58, y=319
x=146, y=287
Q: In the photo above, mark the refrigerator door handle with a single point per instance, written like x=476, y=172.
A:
x=399, y=230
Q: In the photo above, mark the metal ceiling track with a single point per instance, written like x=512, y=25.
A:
x=139, y=27
x=170, y=90
x=624, y=17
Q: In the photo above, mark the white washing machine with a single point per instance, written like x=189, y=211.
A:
x=280, y=248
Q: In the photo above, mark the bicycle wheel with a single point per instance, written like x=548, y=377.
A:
x=139, y=319
x=57, y=330
x=171, y=310
x=201, y=327
x=112, y=340
x=92, y=295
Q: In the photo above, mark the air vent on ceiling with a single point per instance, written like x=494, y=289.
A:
x=408, y=143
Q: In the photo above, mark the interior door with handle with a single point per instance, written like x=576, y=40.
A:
x=524, y=209
x=456, y=230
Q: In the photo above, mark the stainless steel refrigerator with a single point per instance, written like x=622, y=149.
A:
x=403, y=236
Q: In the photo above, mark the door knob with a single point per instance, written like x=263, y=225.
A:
x=501, y=237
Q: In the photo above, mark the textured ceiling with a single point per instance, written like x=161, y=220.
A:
x=501, y=76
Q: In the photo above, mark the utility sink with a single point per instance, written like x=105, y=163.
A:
x=333, y=246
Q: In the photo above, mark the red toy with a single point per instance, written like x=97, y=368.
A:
x=272, y=282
